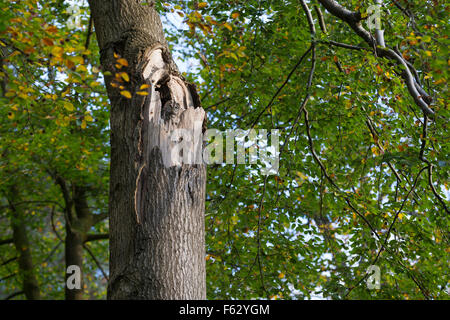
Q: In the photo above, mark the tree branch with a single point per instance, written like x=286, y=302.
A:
x=9, y=261
x=281, y=87
x=353, y=19
x=96, y=261
x=95, y=237
x=6, y=241
x=15, y=294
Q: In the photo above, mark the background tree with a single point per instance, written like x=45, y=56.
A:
x=53, y=152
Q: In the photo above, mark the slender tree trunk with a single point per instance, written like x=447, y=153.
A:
x=79, y=221
x=74, y=257
x=22, y=244
x=156, y=207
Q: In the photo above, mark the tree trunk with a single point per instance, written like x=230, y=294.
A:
x=74, y=257
x=156, y=205
x=22, y=244
x=79, y=221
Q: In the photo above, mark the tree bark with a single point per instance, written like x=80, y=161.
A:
x=156, y=205
x=74, y=256
x=79, y=221
x=22, y=244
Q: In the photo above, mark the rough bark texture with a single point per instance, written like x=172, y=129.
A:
x=156, y=204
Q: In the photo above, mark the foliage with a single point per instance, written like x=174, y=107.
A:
x=54, y=122
x=360, y=166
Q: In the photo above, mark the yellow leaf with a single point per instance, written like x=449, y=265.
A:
x=57, y=51
x=142, y=93
x=15, y=53
x=123, y=62
x=235, y=15
x=144, y=86
x=228, y=26
x=281, y=275
x=10, y=94
x=375, y=151
x=77, y=59
x=202, y=5
x=68, y=106
x=126, y=94
x=81, y=68
x=83, y=124
x=89, y=118
x=428, y=53
x=301, y=175
x=125, y=76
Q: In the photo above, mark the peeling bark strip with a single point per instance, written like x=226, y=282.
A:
x=157, y=201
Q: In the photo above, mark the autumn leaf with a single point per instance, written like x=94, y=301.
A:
x=125, y=76
x=52, y=29
x=301, y=175
x=126, y=94
x=10, y=94
x=228, y=26
x=68, y=106
x=95, y=69
x=122, y=62
x=70, y=64
x=57, y=51
x=48, y=42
